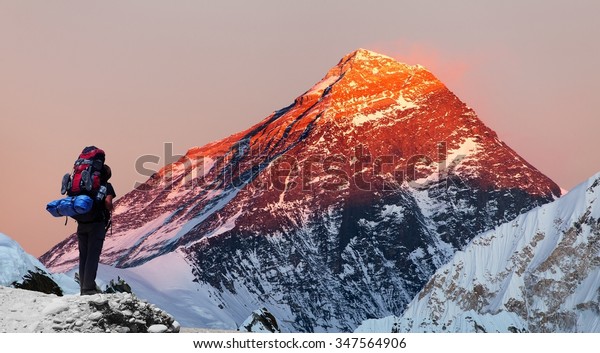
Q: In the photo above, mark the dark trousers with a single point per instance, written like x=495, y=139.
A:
x=91, y=238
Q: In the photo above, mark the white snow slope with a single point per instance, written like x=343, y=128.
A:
x=16, y=263
x=537, y=273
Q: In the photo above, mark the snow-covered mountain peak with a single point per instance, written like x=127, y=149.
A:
x=376, y=174
x=364, y=74
x=366, y=54
x=367, y=61
x=537, y=273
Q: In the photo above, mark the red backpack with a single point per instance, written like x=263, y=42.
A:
x=85, y=179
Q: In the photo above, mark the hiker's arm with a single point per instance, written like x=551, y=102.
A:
x=108, y=202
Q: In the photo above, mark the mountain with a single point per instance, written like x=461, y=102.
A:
x=332, y=210
x=537, y=273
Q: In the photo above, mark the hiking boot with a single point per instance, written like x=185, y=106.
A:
x=90, y=291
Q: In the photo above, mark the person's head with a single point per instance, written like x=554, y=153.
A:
x=105, y=173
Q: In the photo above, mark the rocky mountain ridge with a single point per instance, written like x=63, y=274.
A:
x=537, y=273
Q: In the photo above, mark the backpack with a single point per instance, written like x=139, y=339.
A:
x=85, y=179
x=83, y=188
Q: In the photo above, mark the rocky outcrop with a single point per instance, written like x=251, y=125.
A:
x=39, y=281
x=260, y=321
x=121, y=313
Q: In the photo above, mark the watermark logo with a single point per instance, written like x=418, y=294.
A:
x=267, y=169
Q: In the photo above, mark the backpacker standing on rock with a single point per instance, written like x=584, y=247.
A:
x=90, y=236
x=89, y=202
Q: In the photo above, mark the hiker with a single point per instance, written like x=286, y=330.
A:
x=89, y=202
x=91, y=233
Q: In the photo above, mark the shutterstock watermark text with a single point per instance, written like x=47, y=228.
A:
x=266, y=169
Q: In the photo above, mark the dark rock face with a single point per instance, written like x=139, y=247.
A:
x=335, y=209
x=39, y=281
x=120, y=286
x=260, y=321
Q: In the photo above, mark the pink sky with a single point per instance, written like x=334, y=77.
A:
x=131, y=76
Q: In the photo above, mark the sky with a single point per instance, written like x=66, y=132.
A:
x=135, y=77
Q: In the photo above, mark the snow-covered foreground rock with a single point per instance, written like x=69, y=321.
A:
x=30, y=311
x=538, y=273
x=260, y=320
x=61, y=308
